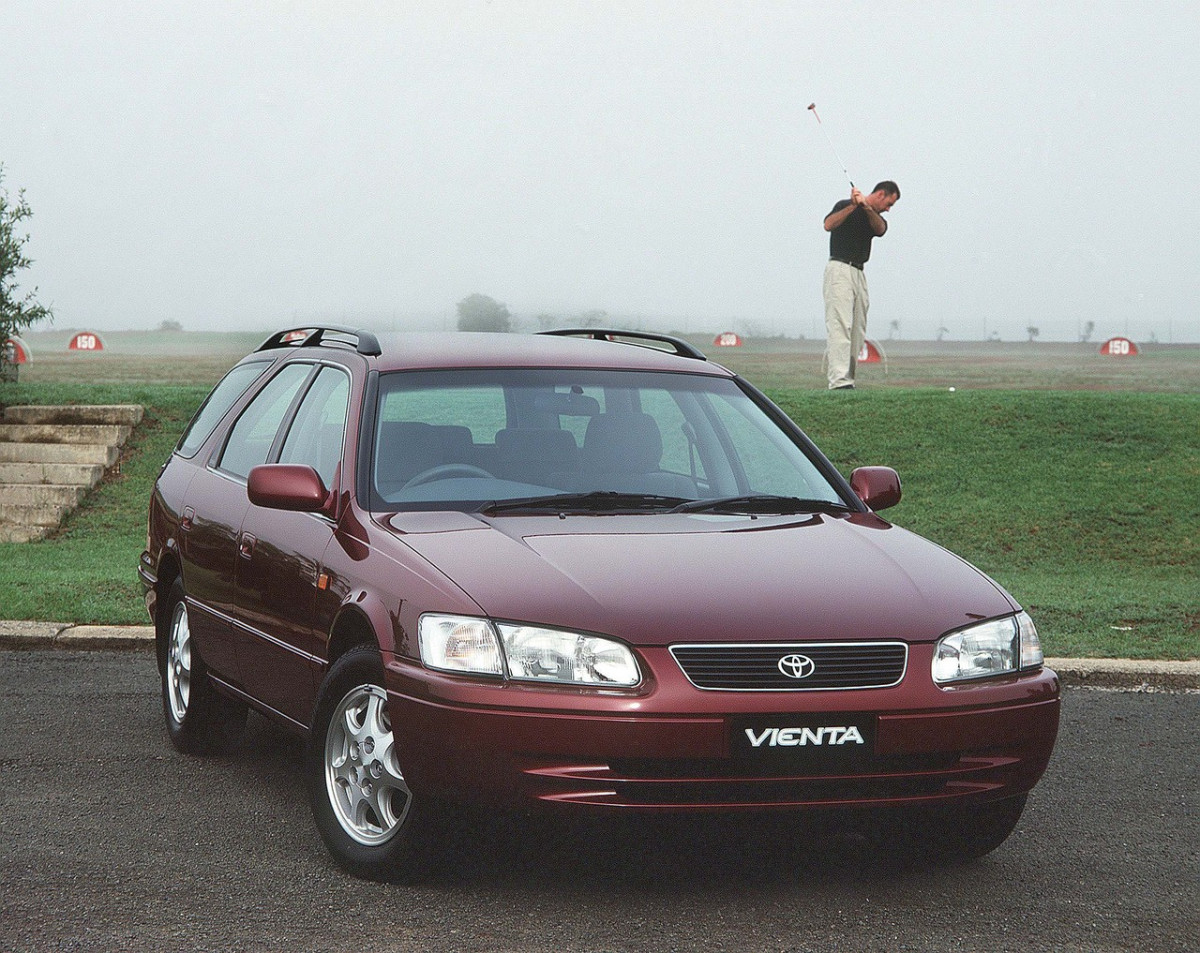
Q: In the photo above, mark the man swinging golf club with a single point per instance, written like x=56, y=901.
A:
x=852, y=224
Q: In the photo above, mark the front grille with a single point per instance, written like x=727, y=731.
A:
x=742, y=667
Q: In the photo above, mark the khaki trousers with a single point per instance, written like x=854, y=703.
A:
x=846, y=303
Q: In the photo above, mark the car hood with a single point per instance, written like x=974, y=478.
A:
x=669, y=578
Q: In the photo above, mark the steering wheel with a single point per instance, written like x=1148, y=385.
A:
x=445, y=471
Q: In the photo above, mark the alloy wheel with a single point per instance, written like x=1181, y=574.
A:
x=366, y=788
x=179, y=663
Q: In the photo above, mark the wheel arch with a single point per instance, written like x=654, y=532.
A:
x=169, y=569
x=352, y=627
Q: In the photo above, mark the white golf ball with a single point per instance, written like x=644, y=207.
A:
x=951, y=390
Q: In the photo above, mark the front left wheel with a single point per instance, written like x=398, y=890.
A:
x=955, y=834
x=370, y=820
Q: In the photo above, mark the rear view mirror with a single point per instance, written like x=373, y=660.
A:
x=878, y=487
x=287, y=486
x=567, y=405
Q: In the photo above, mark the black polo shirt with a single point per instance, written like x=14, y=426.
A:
x=851, y=241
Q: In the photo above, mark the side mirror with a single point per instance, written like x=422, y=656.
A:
x=287, y=486
x=878, y=487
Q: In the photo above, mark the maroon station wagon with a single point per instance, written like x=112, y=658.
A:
x=584, y=571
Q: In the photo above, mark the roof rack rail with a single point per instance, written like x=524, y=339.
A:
x=637, y=338
x=364, y=342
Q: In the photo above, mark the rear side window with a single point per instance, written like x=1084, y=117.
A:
x=215, y=406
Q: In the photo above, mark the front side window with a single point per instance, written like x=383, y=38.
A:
x=316, y=433
x=250, y=439
x=469, y=439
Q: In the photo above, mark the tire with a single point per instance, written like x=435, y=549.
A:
x=200, y=720
x=958, y=834
x=982, y=829
x=368, y=817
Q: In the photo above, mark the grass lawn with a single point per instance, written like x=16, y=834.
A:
x=87, y=572
x=1084, y=504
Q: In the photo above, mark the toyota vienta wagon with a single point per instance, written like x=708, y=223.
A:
x=582, y=572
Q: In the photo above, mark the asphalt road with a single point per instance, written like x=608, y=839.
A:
x=110, y=840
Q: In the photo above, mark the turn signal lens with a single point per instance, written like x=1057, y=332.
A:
x=1031, y=645
x=459, y=644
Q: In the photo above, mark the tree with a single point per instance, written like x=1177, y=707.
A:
x=480, y=313
x=17, y=311
x=1033, y=332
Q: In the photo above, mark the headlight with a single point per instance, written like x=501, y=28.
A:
x=556, y=656
x=998, y=647
x=524, y=652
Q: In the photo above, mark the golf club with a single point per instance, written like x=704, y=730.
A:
x=813, y=107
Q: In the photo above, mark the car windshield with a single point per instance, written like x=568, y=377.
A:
x=509, y=441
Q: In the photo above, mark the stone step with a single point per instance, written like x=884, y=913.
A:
x=77, y=453
x=15, y=495
x=71, y=474
x=124, y=415
x=46, y=515
x=64, y=433
x=50, y=457
x=14, y=533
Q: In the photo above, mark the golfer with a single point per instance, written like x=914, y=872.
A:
x=851, y=226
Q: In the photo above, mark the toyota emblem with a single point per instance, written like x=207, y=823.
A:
x=797, y=666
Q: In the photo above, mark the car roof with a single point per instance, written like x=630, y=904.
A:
x=472, y=349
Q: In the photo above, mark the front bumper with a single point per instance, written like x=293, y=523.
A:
x=670, y=747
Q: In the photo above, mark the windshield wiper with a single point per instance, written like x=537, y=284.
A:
x=595, y=501
x=762, y=503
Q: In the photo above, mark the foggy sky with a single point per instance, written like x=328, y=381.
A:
x=249, y=165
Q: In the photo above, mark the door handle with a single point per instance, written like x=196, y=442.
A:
x=188, y=520
x=246, y=545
